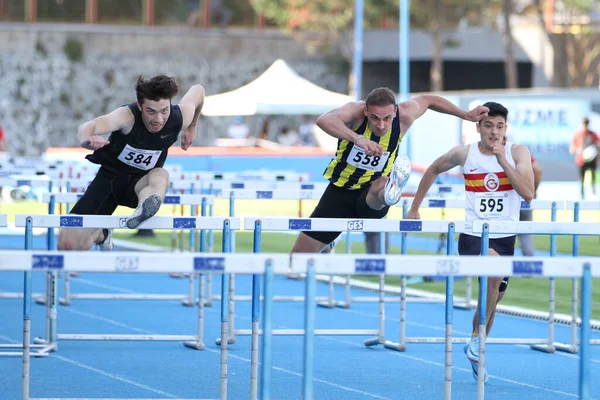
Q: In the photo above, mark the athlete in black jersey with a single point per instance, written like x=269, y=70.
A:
x=132, y=158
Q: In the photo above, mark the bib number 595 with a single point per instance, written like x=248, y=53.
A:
x=491, y=205
x=366, y=159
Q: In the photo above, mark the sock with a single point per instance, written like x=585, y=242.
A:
x=105, y=232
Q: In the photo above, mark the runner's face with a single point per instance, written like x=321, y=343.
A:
x=380, y=118
x=492, y=131
x=155, y=113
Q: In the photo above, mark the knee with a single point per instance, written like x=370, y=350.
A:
x=159, y=174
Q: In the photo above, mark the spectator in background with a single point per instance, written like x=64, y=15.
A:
x=218, y=12
x=306, y=130
x=2, y=140
x=238, y=130
x=288, y=137
x=585, y=146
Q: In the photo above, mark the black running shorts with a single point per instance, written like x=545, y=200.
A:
x=469, y=245
x=106, y=192
x=337, y=202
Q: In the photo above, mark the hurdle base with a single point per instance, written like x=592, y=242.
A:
x=566, y=348
x=194, y=345
x=544, y=348
x=64, y=302
x=326, y=304
x=40, y=300
x=230, y=340
x=296, y=277
x=188, y=303
x=48, y=347
x=464, y=306
x=342, y=304
x=375, y=341
x=394, y=346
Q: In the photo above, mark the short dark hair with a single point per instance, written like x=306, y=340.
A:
x=156, y=88
x=586, y=121
x=381, y=97
x=496, y=109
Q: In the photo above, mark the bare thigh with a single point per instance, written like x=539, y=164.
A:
x=306, y=244
x=77, y=238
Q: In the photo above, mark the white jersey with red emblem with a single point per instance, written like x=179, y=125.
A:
x=488, y=192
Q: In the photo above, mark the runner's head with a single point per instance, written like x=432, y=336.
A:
x=154, y=100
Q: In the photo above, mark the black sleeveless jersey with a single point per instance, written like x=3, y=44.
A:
x=140, y=150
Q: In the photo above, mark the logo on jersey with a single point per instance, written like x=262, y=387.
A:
x=491, y=182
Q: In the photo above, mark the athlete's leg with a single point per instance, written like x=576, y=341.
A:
x=150, y=190
x=98, y=199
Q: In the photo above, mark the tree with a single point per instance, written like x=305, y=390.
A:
x=510, y=64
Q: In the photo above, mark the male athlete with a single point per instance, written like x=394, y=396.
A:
x=496, y=177
x=132, y=158
x=368, y=173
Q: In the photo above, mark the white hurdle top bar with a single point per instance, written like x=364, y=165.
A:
x=117, y=221
x=461, y=203
x=186, y=199
x=330, y=264
x=273, y=194
x=355, y=225
x=584, y=205
x=254, y=185
x=539, y=228
x=256, y=263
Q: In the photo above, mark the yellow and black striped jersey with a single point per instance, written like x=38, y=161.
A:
x=352, y=168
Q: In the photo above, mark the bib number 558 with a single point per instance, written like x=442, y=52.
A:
x=365, y=159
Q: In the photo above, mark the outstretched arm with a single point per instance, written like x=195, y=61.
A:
x=191, y=105
x=119, y=119
x=412, y=109
x=451, y=159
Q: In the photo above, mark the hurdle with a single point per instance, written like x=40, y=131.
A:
x=333, y=225
x=140, y=262
x=431, y=203
x=451, y=266
x=544, y=344
x=575, y=228
x=124, y=263
x=184, y=199
x=272, y=264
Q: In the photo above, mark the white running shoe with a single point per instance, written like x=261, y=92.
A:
x=472, y=352
x=397, y=180
x=145, y=211
x=107, y=244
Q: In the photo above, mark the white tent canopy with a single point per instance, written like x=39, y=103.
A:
x=278, y=91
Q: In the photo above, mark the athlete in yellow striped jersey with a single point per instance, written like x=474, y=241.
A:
x=368, y=134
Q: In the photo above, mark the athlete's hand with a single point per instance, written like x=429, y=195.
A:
x=412, y=214
x=500, y=153
x=477, y=114
x=188, y=136
x=371, y=148
x=94, y=142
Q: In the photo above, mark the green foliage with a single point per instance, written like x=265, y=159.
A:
x=41, y=49
x=73, y=49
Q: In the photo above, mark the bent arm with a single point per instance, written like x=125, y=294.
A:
x=119, y=119
x=337, y=122
x=520, y=177
x=191, y=106
x=451, y=159
x=416, y=107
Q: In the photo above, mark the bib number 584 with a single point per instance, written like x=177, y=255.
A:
x=138, y=158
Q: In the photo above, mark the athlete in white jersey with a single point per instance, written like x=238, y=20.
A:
x=495, y=178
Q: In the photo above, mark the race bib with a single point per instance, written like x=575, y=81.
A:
x=359, y=159
x=137, y=158
x=491, y=205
